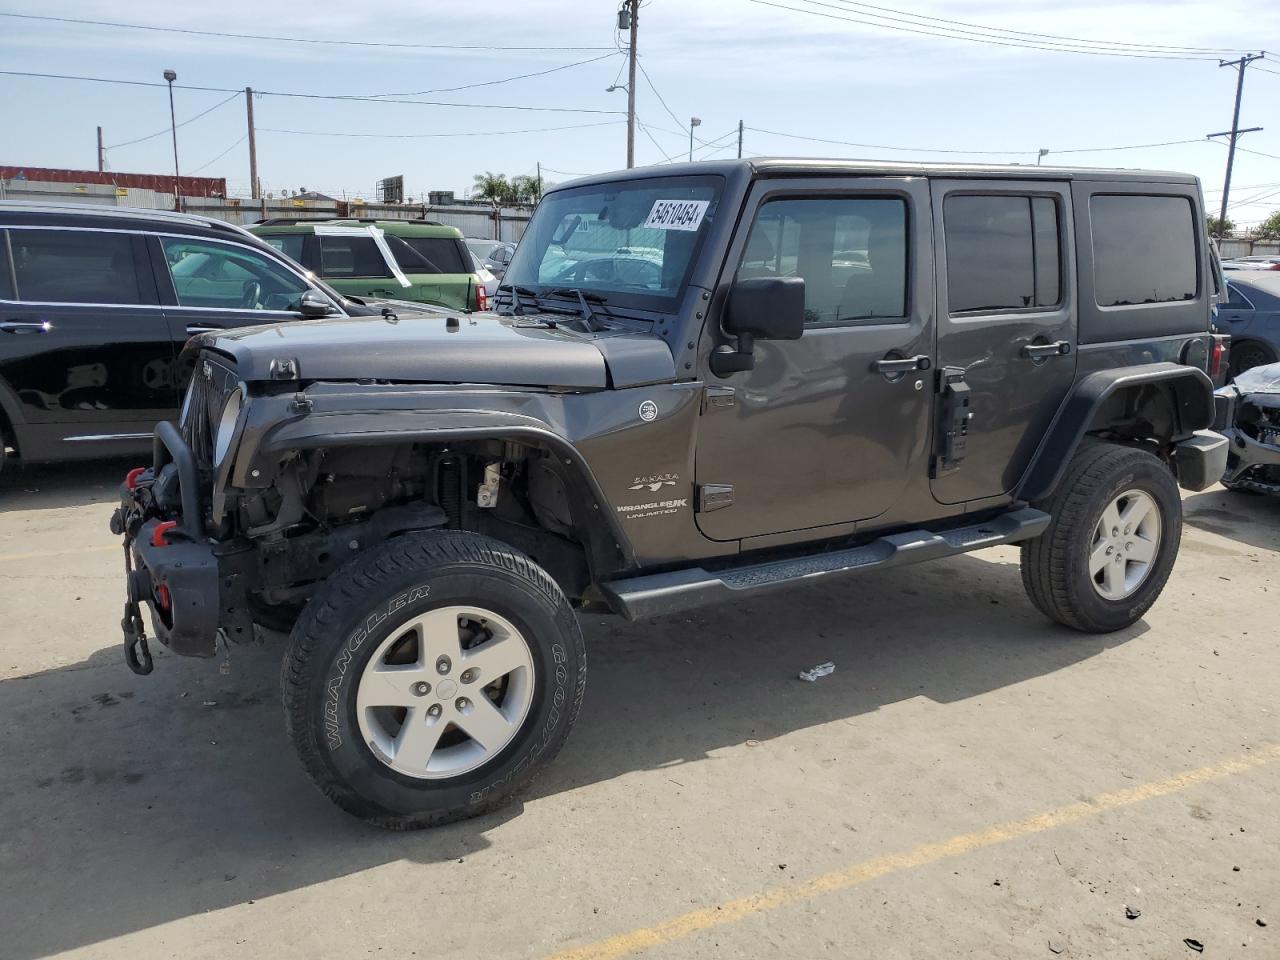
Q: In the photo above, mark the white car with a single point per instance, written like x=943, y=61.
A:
x=486, y=278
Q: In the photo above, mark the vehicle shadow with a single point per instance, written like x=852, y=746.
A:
x=51, y=486
x=1249, y=518
x=130, y=802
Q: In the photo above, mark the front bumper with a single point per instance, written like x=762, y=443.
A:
x=1200, y=460
x=191, y=585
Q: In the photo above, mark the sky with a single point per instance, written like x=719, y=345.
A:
x=832, y=70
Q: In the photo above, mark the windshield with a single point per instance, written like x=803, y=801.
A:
x=632, y=242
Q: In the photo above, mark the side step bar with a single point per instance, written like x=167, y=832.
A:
x=655, y=594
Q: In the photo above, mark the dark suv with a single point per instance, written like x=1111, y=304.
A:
x=702, y=382
x=95, y=305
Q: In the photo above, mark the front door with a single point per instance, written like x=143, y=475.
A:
x=1006, y=324
x=84, y=348
x=825, y=429
x=208, y=284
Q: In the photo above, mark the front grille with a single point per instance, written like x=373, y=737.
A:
x=211, y=383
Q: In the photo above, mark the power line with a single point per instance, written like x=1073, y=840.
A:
x=493, y=83
x=972, y=153
x=671, y=113
x=354, y=98
x=665, y=156
x=281, y=39
x=1044, y=36
x=427, y=136
x=219, y=156
x=167, y=130
x=953, y=35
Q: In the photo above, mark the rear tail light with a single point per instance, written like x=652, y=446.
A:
x=482, y=296
x=1216, y=354
x=1274, y=266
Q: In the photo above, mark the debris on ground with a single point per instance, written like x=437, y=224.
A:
x=1132, y=913
x=1055, y=947
x=821, y=670
x=1260, y=922
x=1195, y=945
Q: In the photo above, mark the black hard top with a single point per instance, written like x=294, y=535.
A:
x=761, y=167
x=15, y=212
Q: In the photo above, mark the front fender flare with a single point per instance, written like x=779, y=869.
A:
x=439, y=426
x=1192, y=392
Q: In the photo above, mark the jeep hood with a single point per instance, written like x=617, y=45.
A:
x=446, y=347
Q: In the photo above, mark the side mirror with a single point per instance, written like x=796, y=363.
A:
x=313, y=305
x=767, y=308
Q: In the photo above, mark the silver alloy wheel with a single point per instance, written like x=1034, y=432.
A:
x=445, y=692
x=1125, y=544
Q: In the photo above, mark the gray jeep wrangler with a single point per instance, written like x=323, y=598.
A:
x=700, y=383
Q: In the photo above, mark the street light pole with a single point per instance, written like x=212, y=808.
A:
x=170, y=76
x=693, y=122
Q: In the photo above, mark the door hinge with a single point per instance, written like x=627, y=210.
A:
x=953, y=423
x=718, y=398
x=714, y=496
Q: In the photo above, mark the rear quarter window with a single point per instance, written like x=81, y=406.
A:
x=1144, y=249
x=443, y=254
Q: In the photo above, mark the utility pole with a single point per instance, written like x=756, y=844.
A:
x=253, y=145
x=739, y=139
x=630, y=15
x=693, y=122
x=1235, y=131
x=539, y=180
x=102, y=165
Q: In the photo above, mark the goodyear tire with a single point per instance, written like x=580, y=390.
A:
x=430, y=678
x=1112, y=541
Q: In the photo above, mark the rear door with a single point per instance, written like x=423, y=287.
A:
x=356, y=261
x=84, y=347
x=1006, y=326
x=829, y=428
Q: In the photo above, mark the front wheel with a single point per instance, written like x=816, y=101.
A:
x=1111, y=543
x=430, y=678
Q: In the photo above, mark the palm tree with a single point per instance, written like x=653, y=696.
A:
x=492, y=186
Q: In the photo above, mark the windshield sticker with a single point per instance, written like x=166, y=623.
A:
x=677, y=214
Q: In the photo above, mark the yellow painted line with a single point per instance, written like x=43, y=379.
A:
x=688, y=924
x=40, y=554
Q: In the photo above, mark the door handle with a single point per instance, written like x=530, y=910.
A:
x=194, y=328
x=25, y=326
x=903, y=365
x=1036, y=351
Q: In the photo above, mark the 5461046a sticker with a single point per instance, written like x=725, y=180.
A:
x=677, y=214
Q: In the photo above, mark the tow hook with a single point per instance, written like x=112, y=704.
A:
x=136, y=652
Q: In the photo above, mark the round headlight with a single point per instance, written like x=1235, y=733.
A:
x=227, y=425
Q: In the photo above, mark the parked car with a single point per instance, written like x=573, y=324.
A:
x=1251, y=263
x=1248, y=414
x=495, y=254
x=1251, y=315
x=839, y=367
x=485, y=277
x=416, y=260
x=95, y=305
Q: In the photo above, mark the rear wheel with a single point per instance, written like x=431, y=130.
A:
x=431, y=677
x=1112, y=542
x=1246, y=356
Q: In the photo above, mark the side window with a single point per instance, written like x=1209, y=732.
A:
x=6, y=275
x=1144, y=249
x=1237, y=300
x=851, y=252
x=343, y=258
x=1003, y=253
x=290, y=244
x=229, y=277
x=442, y=254
x=75, y=266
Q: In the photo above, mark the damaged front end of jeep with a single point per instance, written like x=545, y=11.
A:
x=1248, y=414
x=265, y=488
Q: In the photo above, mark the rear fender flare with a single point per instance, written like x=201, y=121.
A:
x=1191, y=395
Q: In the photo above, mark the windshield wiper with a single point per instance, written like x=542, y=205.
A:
x=588, y=315
x=517, y=292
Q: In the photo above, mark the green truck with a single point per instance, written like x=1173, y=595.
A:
x=419, y=260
